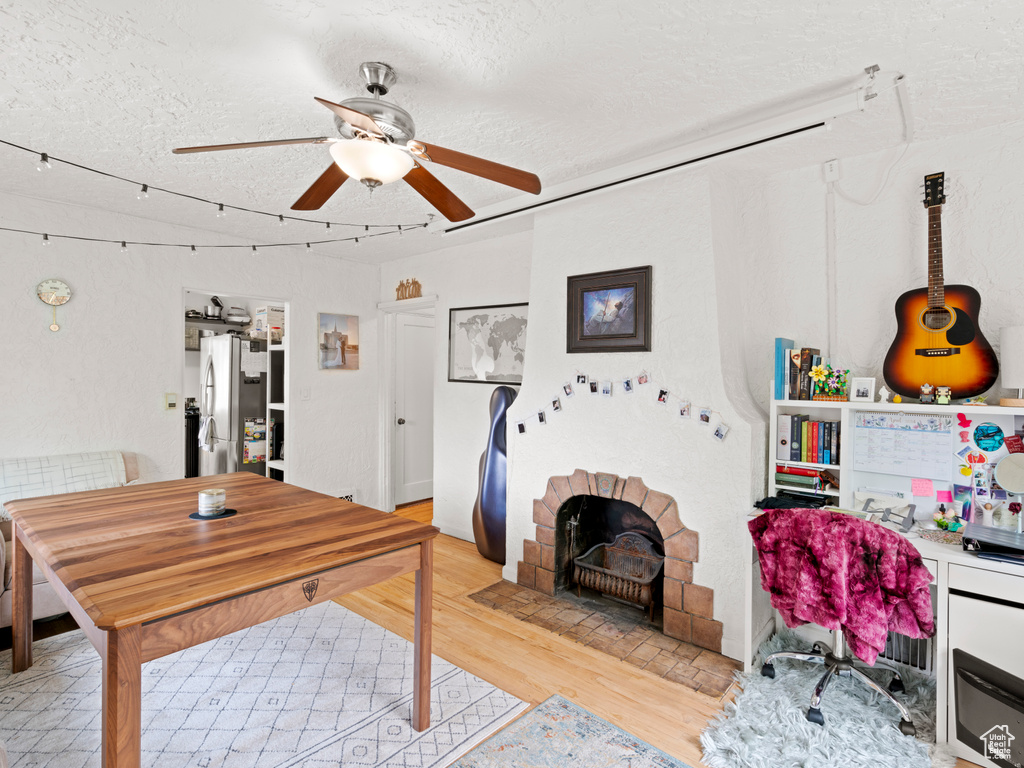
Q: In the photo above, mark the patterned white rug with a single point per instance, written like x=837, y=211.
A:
x=321, y=687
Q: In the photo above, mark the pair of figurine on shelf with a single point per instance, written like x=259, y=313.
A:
x=932, y=395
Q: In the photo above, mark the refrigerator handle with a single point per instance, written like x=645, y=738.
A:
x=206, y=397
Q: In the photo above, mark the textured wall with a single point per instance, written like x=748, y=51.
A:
x=494, y=272
x=881, y=249
x=666, y=223
x=99, y=382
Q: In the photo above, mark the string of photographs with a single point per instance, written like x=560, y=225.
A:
x=638, y=386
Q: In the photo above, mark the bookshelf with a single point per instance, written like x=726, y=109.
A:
x=851, y=479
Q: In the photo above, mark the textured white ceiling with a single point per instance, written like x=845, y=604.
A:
x=558, y=87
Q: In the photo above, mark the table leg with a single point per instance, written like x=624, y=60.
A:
x=21, y=606
x=421, y=637
x=122, y=699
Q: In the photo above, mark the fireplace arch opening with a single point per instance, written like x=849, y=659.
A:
x=619, y=505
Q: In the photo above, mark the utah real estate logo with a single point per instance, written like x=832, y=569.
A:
x=997, y=742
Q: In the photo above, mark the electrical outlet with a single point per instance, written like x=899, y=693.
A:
x=831, y=170
x=170, y=401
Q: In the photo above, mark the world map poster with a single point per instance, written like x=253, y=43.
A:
x=487, y=344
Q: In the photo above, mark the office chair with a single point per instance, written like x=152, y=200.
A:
x=857, y=578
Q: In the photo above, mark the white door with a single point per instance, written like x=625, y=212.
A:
x=414, y=408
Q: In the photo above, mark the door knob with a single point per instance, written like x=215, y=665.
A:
x=401, y=421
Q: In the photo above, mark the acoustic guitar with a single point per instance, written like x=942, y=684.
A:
x=938, y=340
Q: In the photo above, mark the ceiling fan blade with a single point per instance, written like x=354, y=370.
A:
x=318, y=194
x=437, y=194
x=249, y=144
x=502, y=174
x=353, y=117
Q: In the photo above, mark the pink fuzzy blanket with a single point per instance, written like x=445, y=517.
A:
x=841, y=572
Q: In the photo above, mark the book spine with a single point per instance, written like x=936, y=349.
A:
x=821, y=442
x=804, y=436
x=835, y=443
x=794, y=439
x=804, y=471
x=782, y=347
x=794, y=374
x=784, y=426
x=806, y=359
x=801, y=480
x=826, y=453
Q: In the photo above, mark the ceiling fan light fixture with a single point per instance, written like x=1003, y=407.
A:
x=371, y=162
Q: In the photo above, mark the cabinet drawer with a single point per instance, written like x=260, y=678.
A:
x=1003, y=586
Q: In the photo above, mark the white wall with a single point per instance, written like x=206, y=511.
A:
x=494, y=272
x=99, y=382
x=666, y=223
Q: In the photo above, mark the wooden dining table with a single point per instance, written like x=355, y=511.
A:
x=143, y=580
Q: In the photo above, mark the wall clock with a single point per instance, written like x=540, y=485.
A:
x=54, y=292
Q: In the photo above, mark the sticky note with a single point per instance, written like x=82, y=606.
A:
x=921, y=487
x=944, y=497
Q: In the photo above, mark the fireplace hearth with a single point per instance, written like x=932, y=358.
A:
x=604, y=506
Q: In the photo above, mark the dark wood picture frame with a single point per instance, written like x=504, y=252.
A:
x=624, y=323
x=515, y=378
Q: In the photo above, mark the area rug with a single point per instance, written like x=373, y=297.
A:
x=321, y=687
x=559, y=734
x=765, y=726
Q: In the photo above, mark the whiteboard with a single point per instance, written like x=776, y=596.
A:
x=903, y=444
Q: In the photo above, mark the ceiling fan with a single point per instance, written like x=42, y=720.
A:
x=376, y=146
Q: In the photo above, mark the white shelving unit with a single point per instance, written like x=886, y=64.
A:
x=277, y=399
x=816, y=411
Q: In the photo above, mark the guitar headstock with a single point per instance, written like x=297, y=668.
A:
x=933, y=192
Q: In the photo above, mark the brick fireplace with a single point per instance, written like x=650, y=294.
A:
x=688, y=608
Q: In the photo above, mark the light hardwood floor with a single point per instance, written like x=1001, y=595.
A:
x=533, y=663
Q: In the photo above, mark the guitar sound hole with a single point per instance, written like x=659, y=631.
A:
x=936, y=319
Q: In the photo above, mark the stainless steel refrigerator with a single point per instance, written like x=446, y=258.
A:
x=233, y=396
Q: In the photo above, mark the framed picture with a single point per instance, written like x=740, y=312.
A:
x=862, y=390
x=339, y=342
x=609, y=311
x=486, y=345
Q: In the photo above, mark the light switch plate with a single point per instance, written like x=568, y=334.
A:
x=170, y=401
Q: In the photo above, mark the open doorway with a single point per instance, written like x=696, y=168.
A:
x=234, y=384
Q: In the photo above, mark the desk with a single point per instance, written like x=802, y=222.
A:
x=951, y=567
x=143, y=580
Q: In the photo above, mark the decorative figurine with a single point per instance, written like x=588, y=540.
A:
x=897, y=398
x=943, y=395
x=927, y=394
x=883, y=395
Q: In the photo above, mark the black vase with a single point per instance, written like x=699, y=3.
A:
x=489, y=509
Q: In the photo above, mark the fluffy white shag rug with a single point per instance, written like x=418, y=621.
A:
x=766, y=725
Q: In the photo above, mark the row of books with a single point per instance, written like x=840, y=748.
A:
x=816, y=480
x=793, y=370
x=800, y=439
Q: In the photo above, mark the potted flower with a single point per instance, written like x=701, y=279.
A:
x=829, y=383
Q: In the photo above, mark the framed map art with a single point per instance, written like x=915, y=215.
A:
x=486, y=345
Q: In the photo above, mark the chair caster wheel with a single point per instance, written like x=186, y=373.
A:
x=768, y=670
x=815, y=716
x=816, y=648
x=896, y=686
x=907, y=728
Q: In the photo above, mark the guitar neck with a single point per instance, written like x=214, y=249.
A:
x=936, y=286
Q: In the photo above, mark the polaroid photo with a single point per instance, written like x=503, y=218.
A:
x=627, y=385
x=567, y=388
x=662, y=396
x=684, y=409
x=521, y=426
x=606, y=388
x=593, y=387
x=581, y=378
x=542, y=417
x=721, y=431
x=962, y=453
x=642, y=379
x=705, y=416
x=556, y=405
x=998, y=494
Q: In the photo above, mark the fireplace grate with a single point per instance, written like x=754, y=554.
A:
x=625, y=569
